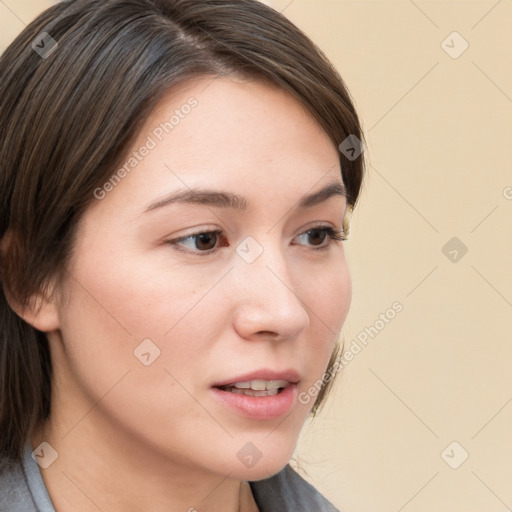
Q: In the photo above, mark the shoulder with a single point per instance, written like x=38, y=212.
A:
x=288, y=491
x=14, y=492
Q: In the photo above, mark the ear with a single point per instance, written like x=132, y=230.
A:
x=41, y=311
x=346, y=220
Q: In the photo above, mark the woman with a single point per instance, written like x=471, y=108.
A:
x=176, y=180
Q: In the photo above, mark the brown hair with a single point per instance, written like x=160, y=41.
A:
x=76, y=86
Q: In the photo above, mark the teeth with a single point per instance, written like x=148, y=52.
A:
x=261, y=385
x=256, y=387
x=251, y=392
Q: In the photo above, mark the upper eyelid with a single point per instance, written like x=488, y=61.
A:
x=222, y=232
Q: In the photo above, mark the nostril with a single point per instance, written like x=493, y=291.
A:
x=267, y=333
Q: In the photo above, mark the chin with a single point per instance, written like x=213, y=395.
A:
x=261, y=459
x=259, y=471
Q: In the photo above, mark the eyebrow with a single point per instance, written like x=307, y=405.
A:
x=222, y=199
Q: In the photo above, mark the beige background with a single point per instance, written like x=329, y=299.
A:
x=439, y=157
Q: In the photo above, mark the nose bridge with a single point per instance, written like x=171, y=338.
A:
x=262, y=264
x=268, y=300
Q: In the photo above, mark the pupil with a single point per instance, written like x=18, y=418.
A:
x=316, y=231
x=204, y=237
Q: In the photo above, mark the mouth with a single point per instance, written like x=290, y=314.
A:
x=263, y=382
x=260, y=395
x=256, y=387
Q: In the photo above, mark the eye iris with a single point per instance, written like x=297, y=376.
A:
x=204, y=237
x=317, y=231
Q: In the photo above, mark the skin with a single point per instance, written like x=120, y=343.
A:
x=172, y=445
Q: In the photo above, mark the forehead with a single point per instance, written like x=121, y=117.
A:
x=215, y=114
x=245, y=136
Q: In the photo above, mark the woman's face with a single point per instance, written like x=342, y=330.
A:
x=149, y=324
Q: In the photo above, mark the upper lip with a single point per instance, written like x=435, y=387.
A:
x=290, y=375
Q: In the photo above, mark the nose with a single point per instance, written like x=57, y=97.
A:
x=267, y=301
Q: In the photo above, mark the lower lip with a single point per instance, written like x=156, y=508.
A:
x=259, y=407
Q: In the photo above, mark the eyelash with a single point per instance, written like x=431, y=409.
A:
x=332, y=233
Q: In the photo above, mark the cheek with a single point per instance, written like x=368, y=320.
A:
x=108, y=315
x=328, y=303
x=134, y=294
x=327, y=297
x=114, y=305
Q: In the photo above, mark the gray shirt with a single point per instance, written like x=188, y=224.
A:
x=22, y=489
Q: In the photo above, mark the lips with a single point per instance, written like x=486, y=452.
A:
x=265, y=374
x=265, y=407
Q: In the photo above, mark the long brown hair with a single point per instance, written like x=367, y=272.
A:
x=75, y=88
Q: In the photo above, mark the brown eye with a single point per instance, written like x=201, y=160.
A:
x=205, y=241
x=198, y=243
x=317, y=236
